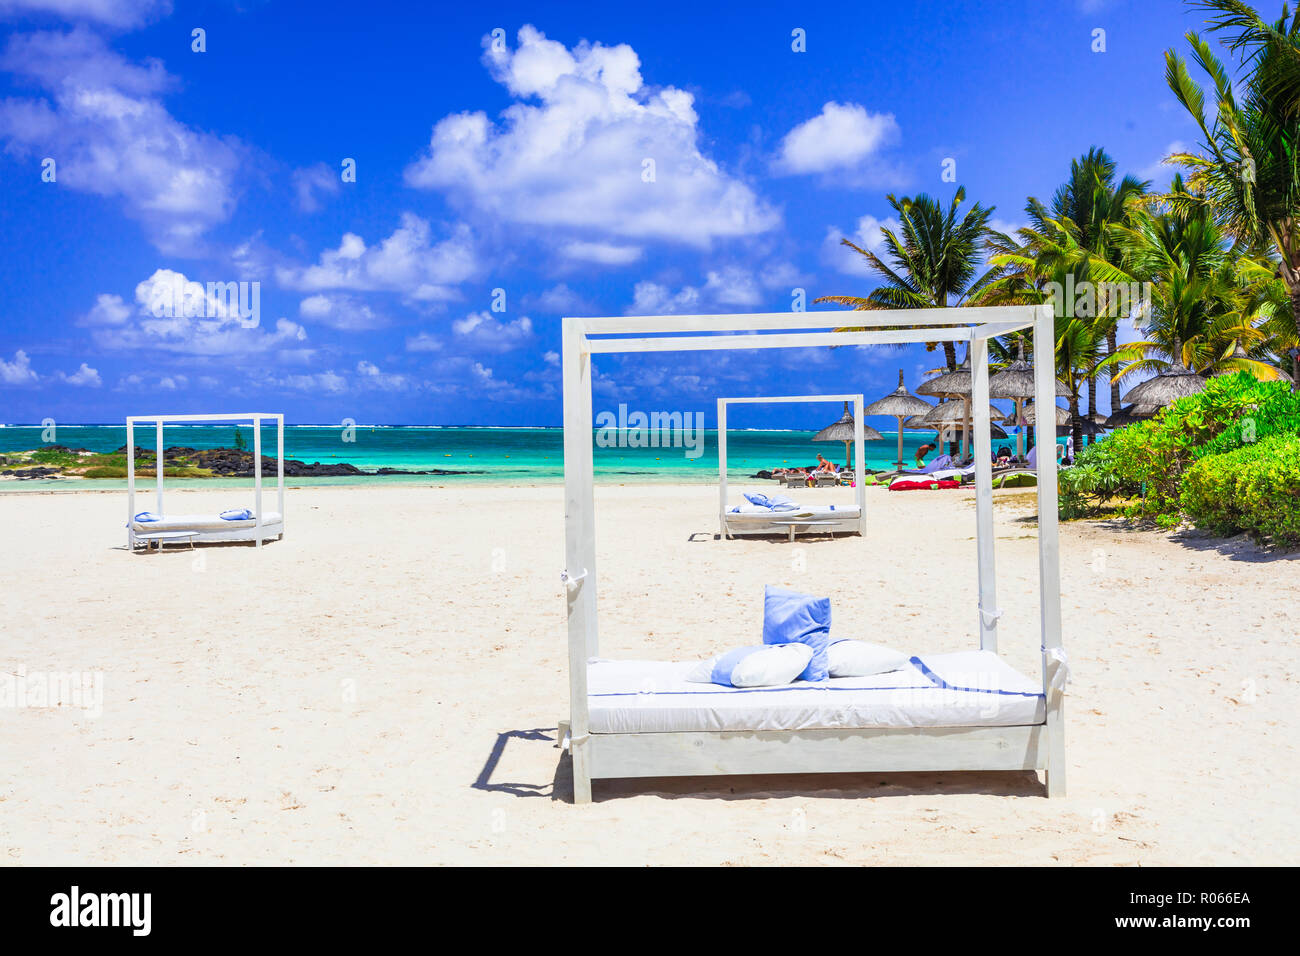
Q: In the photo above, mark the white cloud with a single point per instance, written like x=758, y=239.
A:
x=733, y=285
x=204, y=324
x=423, y=342
x=1159, y=172
x=109, y=309
x=17, y=372
x=561, y=299
x=136, y=382
x=603, y=253
x=370, y=376
x=84, y=376
x=484, y=331
x=652, y=298
x=344, y=312
x=329, y=382
x=112, y=13
x=841, y=136
x=312, y=181
x=574, y=158
x=110, y=135
x=551, y=358
x=867, y=235
x=409, y=261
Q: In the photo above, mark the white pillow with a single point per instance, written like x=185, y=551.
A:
x=860, y=659
x=767, y=665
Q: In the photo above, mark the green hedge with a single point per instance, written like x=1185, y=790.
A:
x=1236, y=424
x=1254, y=488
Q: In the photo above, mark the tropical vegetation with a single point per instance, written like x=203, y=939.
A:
x=1216, y=257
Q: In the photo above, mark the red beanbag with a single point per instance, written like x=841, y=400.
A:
x=908, y=484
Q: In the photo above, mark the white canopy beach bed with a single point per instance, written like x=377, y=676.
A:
x=814, y=519
x=261, y=526
x=927, y=717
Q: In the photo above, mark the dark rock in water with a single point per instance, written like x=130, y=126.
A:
x=233, y=463
x=38, y=472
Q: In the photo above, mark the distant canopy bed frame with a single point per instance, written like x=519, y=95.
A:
x=261, y=526
x=938, y=740
x=819, y=519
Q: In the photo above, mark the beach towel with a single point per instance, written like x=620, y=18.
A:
x=942, y=463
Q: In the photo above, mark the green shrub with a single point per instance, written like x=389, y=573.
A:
x=1150, y=463
x=1253, y=488
x=1266, y=409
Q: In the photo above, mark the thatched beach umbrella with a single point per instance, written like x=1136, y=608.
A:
x=1016, y=381
x=956, y=413
x=1173, y=383
x=959, y=383
x=949, y=431
x=953, y=418
x=1086, y=427
x=899, y=404
x=1130, y=414
x=1028, y=415
x=842, y=430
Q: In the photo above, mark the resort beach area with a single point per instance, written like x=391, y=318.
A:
x=383, y=685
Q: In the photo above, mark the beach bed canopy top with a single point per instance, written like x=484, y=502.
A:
x=1038, y=746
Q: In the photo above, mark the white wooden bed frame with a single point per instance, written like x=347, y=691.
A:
x=601, y=755
x=261, y=530
x=734, y=525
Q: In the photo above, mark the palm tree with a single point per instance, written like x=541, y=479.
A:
x=933, y=264
x=1080, y=351
x=1248, y=174
x=1200, y=307
x=1088, y=203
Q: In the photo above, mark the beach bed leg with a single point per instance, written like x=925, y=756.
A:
x=1055, y=770
x=581, y=777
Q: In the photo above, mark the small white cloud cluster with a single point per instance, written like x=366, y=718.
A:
x=409, y=261
x=841, y=137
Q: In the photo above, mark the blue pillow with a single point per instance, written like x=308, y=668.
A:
x=146, y=516
x=793, y=618
x=754, y=498
x=236, y=514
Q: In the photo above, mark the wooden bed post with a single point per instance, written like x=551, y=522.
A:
x=257, y=475
x=859, y=467
x=579, y=545
x=983, y=450
x=1049, y=550
x=279, y=469
x=130, y=484
x=158, y=465
x=722, y=467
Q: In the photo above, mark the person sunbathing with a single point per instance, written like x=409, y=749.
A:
x=825, y=467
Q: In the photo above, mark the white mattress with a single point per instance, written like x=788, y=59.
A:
x=748, y=511
x=202, y=523
x=967, y=689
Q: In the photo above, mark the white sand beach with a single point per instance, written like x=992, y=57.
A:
x=383, y=686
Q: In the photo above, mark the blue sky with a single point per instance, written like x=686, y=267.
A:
x=516, y=164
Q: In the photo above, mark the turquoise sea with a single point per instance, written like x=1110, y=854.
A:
x=516, y=455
